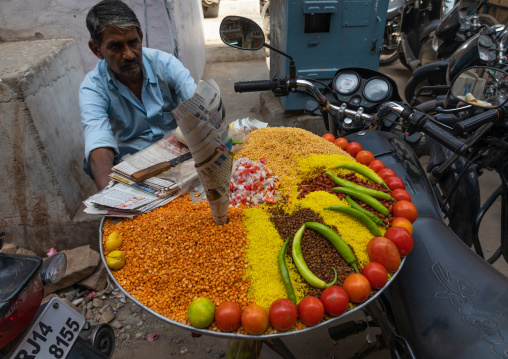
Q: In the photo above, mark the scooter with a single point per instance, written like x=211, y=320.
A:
x=446, y=301
x=53, y=330
x=419, y=19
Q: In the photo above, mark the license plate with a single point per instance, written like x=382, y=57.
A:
x=52, y=334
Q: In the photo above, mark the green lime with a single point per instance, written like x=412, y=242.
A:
x=201, y=312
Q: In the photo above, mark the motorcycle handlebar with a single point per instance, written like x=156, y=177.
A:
x=443, y=137
x=253, y=86
x=476, y=121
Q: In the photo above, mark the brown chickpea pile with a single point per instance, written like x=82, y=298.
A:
x=320, y=255
x=323, y=182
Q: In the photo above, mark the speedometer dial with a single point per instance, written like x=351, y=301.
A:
x=346, y=83
x=376, y=89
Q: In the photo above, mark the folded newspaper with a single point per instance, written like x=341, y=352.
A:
x=205, y=132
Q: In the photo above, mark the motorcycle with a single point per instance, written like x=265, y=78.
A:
x=446, y=301
x=459, y=25
x=391, y=38
x=53, y=330
x=419, y=20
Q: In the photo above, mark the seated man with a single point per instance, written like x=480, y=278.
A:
x=127, y=99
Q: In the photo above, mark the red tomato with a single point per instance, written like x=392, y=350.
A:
x=384, y=252
x=335, y=300
x=401, y=238
x=376, y=274
x=365, y=157
x=400, y=194
x=228, y=316
x=310, y=311
x=329, y=137
x=394, y=183
x=376, y=165
x=385, y=173
x=405, y=209
x=341, y=142
x=282, y=314
x=357, y=287
x=254, y=319
x=353, y=148
x=404, y=223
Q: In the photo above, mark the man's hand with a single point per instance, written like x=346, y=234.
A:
x=101, y=162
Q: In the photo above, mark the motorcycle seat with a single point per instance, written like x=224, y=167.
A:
x=448, y=302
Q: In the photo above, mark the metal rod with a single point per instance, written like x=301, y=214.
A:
x=278, y=346
x=481, y=212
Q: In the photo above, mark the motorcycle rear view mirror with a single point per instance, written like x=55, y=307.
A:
x=245, y=34
x=241, y=33
x=485, y=87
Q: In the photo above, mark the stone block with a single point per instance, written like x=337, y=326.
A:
x=81, y=262
x=8, y=248
x=26, y=252
x=98, y=280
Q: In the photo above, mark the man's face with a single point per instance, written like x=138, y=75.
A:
x=121, y=48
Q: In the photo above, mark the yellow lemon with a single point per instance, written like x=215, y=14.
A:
x=201, y=312
x=114, y=241
x=115, y=260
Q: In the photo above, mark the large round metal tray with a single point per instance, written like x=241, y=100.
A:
x=242, y=336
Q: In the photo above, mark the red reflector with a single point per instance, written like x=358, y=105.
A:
x=21, y=312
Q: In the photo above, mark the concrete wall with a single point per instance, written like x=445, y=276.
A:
x=174, y=26
x=41, y=149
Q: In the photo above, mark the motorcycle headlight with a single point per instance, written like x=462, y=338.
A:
x=436, y=42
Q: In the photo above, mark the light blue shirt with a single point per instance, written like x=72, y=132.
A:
x=113, y=116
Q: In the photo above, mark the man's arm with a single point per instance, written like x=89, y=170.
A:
x=101, y=162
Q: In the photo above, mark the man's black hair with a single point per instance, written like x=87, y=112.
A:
x=110, y=13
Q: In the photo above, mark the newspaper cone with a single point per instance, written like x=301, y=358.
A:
x=215, y=176
x=205, y=131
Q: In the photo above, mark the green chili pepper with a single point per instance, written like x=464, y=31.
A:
x=302, y=266
x=235, y=142
x=363, y=171
x=371, y=215
x=341, y=246
x=359, y=216
x=371, y=192
x=365, y=198
x=284, y=273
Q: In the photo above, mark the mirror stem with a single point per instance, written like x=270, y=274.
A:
x=292, y=66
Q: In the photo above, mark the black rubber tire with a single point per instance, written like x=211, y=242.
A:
x=388, y=59
x=402, y=58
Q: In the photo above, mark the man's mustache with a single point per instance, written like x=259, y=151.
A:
x=127, y=63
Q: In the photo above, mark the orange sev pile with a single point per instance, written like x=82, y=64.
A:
x=176, y=253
